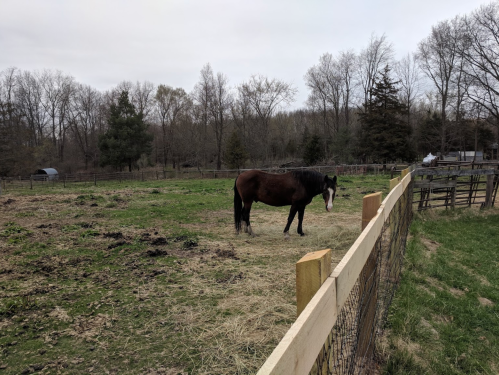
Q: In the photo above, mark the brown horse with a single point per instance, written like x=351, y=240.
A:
x=296, y=188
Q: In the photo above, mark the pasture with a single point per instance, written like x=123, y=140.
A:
x=445, y=316
x=150, y=278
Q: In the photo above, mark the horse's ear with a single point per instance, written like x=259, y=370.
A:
x=334, y=180
x=325, y=178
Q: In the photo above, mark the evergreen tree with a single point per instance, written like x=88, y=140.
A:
x=235, y=153
x=127, y=139
x=313, y=151
x=428, y=134
x=384, y=133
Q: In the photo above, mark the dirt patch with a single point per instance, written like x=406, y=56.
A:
x=118, y=244
x=456, y=292
x=426, y=290
x=442, y=319
x=230, y=278
x=430, y=245
x=60, y=314
x=115, y=235
x=435, y=283
x=427, y=326
x=485, y=301
x=89, y=327
x=412, y=348
x=156, y=253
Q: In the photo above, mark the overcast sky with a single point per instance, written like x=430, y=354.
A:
x=101, y=43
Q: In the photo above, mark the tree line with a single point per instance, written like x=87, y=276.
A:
x=361, y=107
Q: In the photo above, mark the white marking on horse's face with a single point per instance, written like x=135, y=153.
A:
x=329, y=204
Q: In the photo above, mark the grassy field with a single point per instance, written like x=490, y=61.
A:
x=445, y=316
x=149, y=277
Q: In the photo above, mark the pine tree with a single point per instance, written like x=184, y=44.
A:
x=235, y=153
x=127, y=139
x=313, y=151
x=384, y=133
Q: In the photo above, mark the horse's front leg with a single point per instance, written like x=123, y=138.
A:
x=292, y=213
x=301, y=213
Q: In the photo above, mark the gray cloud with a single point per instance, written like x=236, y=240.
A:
x=102, y=43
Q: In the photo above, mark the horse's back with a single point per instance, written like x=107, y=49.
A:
x=269, y=188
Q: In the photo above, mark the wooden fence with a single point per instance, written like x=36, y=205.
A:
x=435, y=187
x=336, y=332
x=35, y=181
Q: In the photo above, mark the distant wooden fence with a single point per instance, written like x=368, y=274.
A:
x=435, y=187
x=336, y=332
x=34, y=181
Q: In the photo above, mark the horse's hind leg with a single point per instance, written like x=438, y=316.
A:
x=301, y=213
x=246, y=218
x=292, y=213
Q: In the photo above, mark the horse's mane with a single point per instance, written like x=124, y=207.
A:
x=310, y=179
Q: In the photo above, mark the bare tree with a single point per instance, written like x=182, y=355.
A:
x=374, y=57
x=202, y=96
x=220, y=106
x=438, y=58
x=242, y=116
x=29, y=94
x=408, y=77
x=330, y=83
x=481, y=52
x=265, y=97
x=323, y=81
x=347, y=63
x=57, y=91
x=142, y=95
x=85, y=121
x=170, y=103
x=14, y=151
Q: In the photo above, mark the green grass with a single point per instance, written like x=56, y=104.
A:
x=445, y=316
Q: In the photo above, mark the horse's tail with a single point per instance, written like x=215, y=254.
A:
x=238, y=208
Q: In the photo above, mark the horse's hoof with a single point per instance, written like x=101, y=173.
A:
x=301, y=234
x=287, y=236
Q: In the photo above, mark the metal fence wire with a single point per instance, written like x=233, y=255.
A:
x=351, y=347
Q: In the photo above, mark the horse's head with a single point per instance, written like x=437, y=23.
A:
x=329, y=191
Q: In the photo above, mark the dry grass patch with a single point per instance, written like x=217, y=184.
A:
x=485, y=301
x=430, y=245
x=135, y=281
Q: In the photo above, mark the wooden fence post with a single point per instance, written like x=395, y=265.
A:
x=311, y=272
x=31, y=182
x=404, y=173
x=370, y=205
x=367, y=282
x=488, y=190
x=394, y=182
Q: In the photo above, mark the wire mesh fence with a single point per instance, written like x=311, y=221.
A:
x=351, y=347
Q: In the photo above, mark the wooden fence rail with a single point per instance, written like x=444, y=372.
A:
x=34, y=181
x=454, y=187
